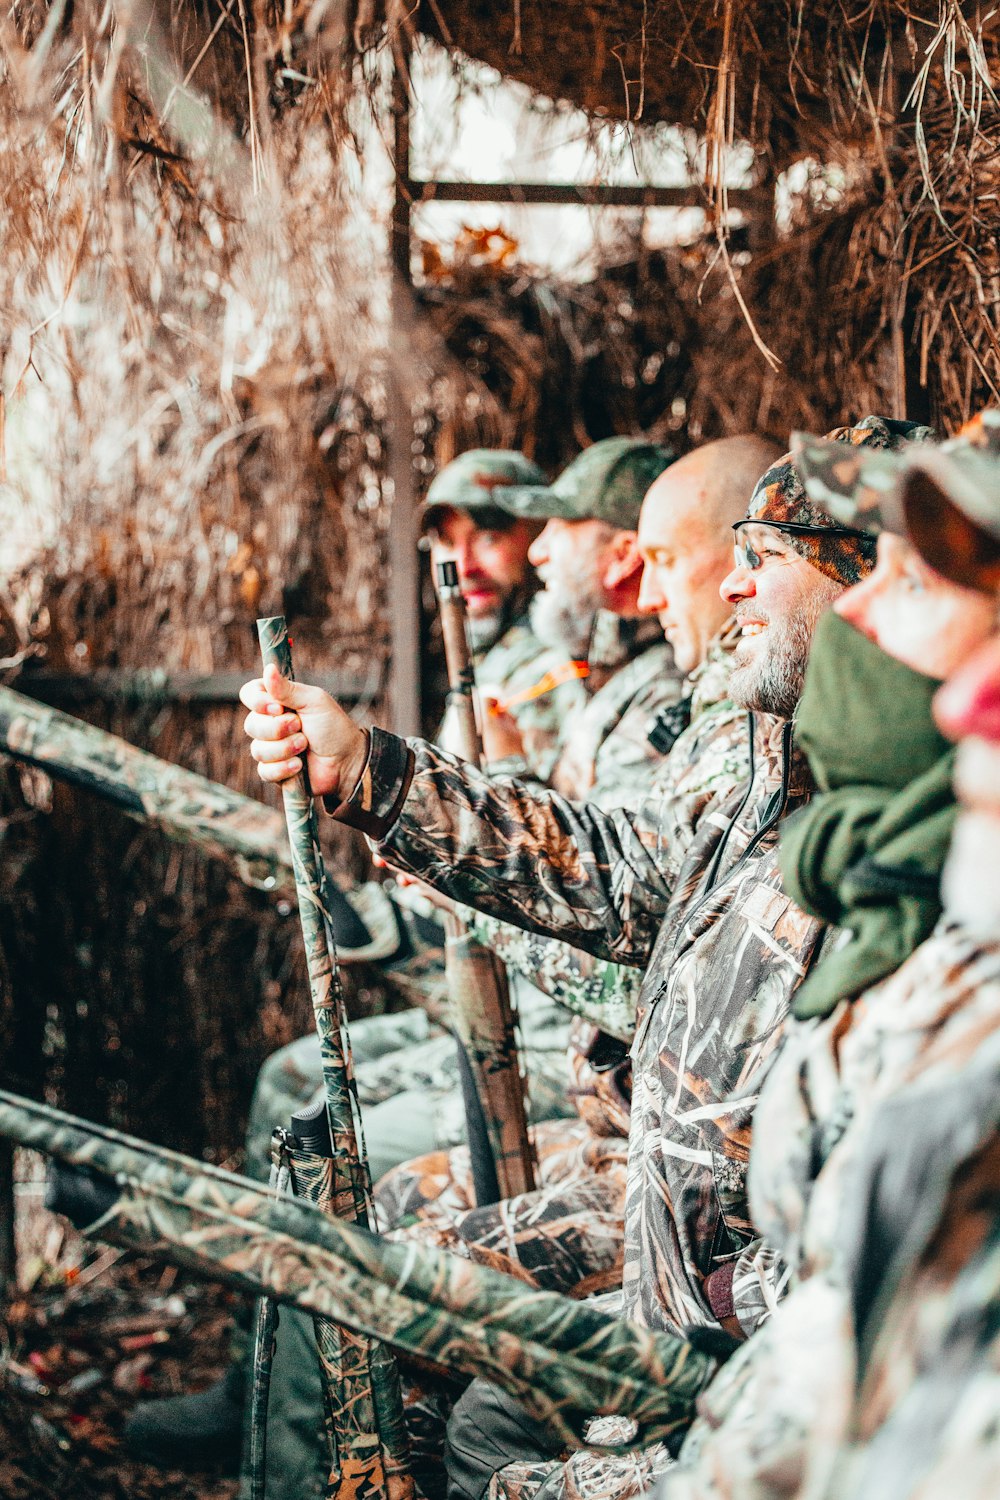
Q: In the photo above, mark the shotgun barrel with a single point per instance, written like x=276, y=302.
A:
x=503, y=1159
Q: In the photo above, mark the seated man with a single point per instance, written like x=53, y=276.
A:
x=693, y=893
x=487, y=511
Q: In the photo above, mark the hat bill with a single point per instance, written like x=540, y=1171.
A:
x=537, y=502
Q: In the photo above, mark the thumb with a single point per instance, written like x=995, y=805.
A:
x=296, y=695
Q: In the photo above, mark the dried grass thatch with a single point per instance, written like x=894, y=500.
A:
x=192, y=304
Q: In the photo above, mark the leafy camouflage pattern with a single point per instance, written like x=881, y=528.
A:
x=689, y=888
x=562, y=1358
x=783, y=1403
x=606, y=482
x=711, y=755
x=565, y=1236
x=572, y=1223
x=190, y=808
x=924, y=1416
x=363, y=1398
x=510, y=670
x=780, y=497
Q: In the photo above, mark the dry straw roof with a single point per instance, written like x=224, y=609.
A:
x=783, y=74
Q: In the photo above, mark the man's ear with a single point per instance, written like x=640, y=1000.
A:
x=621, y=560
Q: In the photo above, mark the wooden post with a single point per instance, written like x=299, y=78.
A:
x=404, y=561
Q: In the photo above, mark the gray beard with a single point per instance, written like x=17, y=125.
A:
x=773, y=684
x=485, y=630
x=563, y=623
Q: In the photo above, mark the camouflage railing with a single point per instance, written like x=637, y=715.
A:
x=364, y=1400
x=503, y=1159
x=564, y=1360
x=247, y=836
x=190, y=808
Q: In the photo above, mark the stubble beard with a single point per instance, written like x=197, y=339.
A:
x=771, y=681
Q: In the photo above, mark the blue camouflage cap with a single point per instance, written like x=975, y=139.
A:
x=606, y=482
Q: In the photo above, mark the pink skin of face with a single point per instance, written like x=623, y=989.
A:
x=491, y=564
x=914, y=614
x=967, y=709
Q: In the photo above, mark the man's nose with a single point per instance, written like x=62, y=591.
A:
x=465, y=557
x=738, y=584
x=538, y=552
x=652, y=598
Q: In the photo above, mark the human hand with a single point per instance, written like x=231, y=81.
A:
x=287, y=719
x=501, y=735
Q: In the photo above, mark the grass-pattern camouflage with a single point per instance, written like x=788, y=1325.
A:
x=363, y=1398
x=565, y=1360
x=189, y=807
x=264, y=1330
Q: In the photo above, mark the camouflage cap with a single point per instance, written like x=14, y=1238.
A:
x=782, y=496
x=606, y=482
x=480, y=480
x=944, y=497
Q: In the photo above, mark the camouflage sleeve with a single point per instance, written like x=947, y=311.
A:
x=601, y=881
x=603, y=992
x=760, y=1280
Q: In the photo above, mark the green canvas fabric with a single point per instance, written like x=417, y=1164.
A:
x=867, y=854
x=480, y=480
x=606, y=482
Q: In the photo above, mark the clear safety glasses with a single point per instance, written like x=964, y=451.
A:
x=751, y=556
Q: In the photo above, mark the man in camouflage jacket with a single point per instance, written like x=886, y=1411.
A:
x=693, y=895
x=410, y=1091
x=465, y=517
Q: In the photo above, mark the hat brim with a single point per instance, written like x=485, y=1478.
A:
x=856, y=485
x=537, y=502
x=950, y=516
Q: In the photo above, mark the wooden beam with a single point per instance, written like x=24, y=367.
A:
x=596, y=195
x=162, y=689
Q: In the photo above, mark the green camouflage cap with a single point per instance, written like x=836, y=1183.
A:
x=480, y=480
x=943, y=497
x=606, y=482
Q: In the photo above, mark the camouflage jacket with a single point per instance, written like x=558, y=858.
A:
x=860, y=1104
x=708, y=756
x=688, y=888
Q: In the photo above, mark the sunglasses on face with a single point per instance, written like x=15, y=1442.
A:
x=746, y=554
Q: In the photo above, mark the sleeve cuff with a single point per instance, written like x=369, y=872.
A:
x=376, y=801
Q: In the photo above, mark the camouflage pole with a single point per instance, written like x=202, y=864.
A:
x=362, y=1381
x=503, y=1159
x=565, y=1360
